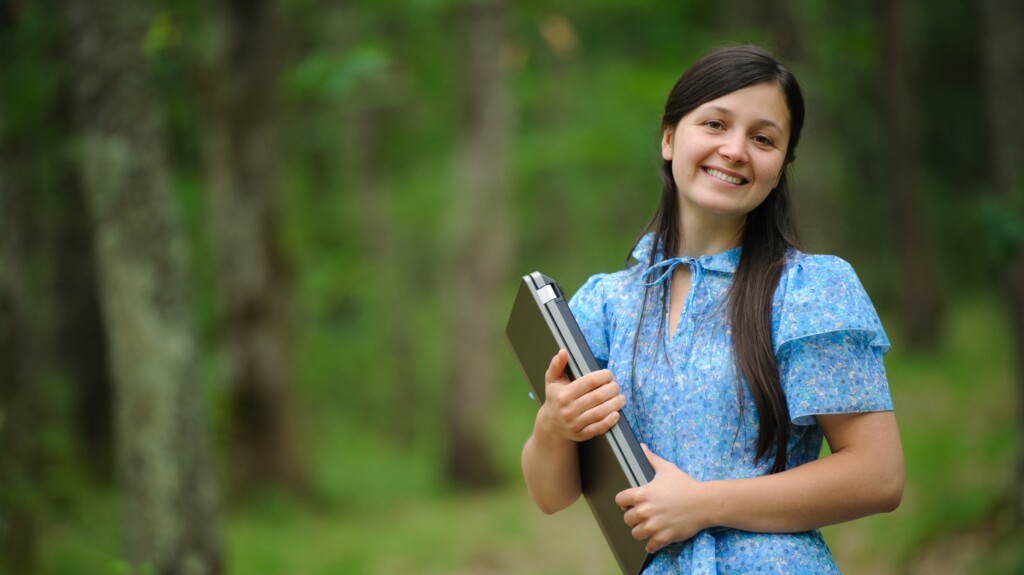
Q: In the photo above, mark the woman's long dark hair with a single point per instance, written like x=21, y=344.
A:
x=768, y=232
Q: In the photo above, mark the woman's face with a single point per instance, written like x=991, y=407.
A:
x=728, y=153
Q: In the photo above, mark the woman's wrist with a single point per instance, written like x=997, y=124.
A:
x=716, y=503
x=546, y=434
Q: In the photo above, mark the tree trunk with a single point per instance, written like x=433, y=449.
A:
x=922, y=302
x=252, y=270
x=482, y=248
x=169, y=493
x=19, y=468
x=80, y=337
x=1004, y=69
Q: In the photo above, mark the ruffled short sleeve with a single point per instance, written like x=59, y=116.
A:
x=589, y=307
x=829, y=341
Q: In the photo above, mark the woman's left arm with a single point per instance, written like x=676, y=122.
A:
x=862, y=476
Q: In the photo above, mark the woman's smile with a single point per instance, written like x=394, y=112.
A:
x=724, y=176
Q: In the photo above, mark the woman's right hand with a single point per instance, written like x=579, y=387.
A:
x=578, y=410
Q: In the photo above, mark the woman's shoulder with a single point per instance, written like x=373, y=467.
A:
x=609, y=285
x=819, y=294
x=810, y=268
x=818, y=278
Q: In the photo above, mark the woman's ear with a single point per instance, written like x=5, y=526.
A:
x=667, y=138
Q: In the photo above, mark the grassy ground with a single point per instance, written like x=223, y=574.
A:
x=381, y=509
x=468, y=534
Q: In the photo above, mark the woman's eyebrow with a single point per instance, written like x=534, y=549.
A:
x=762, y=122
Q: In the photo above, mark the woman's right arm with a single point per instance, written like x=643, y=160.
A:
x=572, y=412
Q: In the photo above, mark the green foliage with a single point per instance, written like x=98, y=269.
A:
x=29, y=75
x=1002, y=220
x=161, y=34
x=334, y=77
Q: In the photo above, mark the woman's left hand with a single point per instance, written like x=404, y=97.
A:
x=668, y=509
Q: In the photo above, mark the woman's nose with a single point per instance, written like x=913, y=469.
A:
x=734, y=149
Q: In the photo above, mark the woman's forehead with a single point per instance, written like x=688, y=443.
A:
x=762, y=104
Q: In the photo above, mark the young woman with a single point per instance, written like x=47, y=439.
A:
x=730, y=352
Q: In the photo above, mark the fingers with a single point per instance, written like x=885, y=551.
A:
x=652, y=517
x=657, y=463
x=594, y=412
x=556, y=372
x=593, y=422
x=626, y=499
x=599, y=427
x=556, y=369
x=583, y=408
x=655, y=544
x=594, y=397
x=642, y=526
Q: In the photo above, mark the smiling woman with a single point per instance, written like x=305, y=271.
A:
x=756, y=353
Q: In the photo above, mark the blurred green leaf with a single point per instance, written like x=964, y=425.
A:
x=335, y=76
x=161, y=34
x=1002, y=219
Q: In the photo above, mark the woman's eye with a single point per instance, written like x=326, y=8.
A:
x=763, y=140
x=714, y=124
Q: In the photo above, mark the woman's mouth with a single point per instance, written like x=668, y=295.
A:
x=735, y=180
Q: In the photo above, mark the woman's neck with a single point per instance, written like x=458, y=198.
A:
x=705, y=236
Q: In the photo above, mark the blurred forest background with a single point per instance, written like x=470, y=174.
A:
x=233, y=234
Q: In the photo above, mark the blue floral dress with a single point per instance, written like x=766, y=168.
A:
x=683, y=393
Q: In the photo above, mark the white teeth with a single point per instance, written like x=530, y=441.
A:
x=725, y=177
